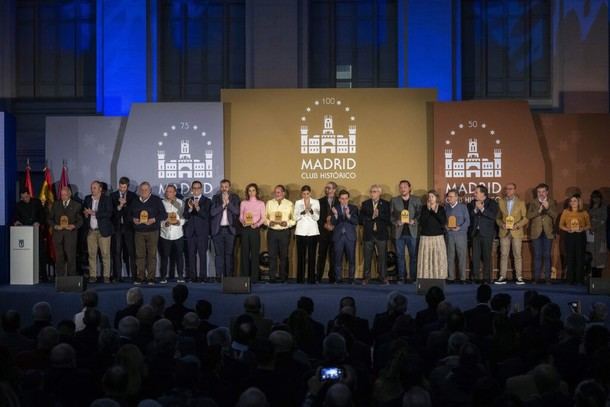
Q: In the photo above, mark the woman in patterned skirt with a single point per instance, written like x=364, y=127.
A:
x=432, y=255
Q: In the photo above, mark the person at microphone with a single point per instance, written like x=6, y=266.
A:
x=345, y=220
x=172, y=236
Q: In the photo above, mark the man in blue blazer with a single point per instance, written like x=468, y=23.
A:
x=345, y=220
x=197, y=231
x=97, y=211
x=225, y=223
x=483, y=212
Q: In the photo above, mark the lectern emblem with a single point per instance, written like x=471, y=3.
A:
x=21, y=243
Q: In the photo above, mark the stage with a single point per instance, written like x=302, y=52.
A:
x=279, y=299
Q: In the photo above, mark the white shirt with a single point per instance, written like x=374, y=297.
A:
x=93, y=220
x=173, y=232
x=307, y=224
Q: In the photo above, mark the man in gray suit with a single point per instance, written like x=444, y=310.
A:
x=405, y=212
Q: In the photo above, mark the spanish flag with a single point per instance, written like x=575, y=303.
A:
x=28, y=179
x=47, y=195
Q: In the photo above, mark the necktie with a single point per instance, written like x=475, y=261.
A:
x=65, y=205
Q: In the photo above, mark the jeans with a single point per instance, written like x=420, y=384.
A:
x=411, y=243
x=542, y=256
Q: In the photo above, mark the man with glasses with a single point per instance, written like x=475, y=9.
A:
x=375, y=218
x=325, y=242
x=197, y=231
x=512, y=217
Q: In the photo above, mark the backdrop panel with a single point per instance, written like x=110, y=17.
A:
x=87, y=143
x=488, y=142
x=173, y=143
x=577, y=149
x=355, y=137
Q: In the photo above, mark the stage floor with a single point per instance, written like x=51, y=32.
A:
x=279, y=299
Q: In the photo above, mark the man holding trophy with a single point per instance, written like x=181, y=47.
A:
x=512, y=218
x=65, y=220
x=146, y=213
x=279, y=217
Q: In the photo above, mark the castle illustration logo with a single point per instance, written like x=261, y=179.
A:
x=329, y=142
x=473, y=166
x=185, y=167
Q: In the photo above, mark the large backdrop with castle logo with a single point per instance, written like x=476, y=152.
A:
x=355, y=137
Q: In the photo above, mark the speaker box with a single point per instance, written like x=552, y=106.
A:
x=236, y=285
x=599, y=285
x=424, y=284
x=70, y=283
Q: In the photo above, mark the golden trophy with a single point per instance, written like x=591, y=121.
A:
x=277, y=216
x=249, y=219
x=172, y=218
x=509, y=221
x=574, y=225
x=144, y=217
x=404, y=216
x=452, y=222
x=63, y=222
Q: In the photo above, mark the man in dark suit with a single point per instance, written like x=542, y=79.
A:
x=345, y=219
x=483, y=212
x=325, y=240
x=478, y=320
x=375, y=217
x=224, y=214
x=122, y=240
x=98, y=223
x=197, y=231
x=65, y=220
x=29, y=212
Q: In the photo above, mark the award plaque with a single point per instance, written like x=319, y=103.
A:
x=277, y=216
x=63, y=222
x=404, y=216
x=172, y=218
x=249, y=219
x=144, y=217
x=510, y=222
x=574, y=225
x=452, y=222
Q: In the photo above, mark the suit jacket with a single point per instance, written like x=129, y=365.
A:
x=542, y=221
x=122, y=214
x=414, y=212
x=103, y=214
x=197, y=222
x=519, y=212
x=73, y=212
x=30, y=213
x=382, y=221
x=479, y=320
x=484, y=222
x=216, y=210
x=345, y=226
x=325, y=212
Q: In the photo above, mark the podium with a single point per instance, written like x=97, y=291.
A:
x=24, y=255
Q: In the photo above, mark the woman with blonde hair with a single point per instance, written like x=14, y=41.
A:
x=575, y=222
x=432, y=254
x=131, y=359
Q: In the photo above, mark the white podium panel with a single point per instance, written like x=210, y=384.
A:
x=24, y=255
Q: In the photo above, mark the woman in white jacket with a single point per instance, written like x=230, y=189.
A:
x=172, y=236
x=306, y=213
